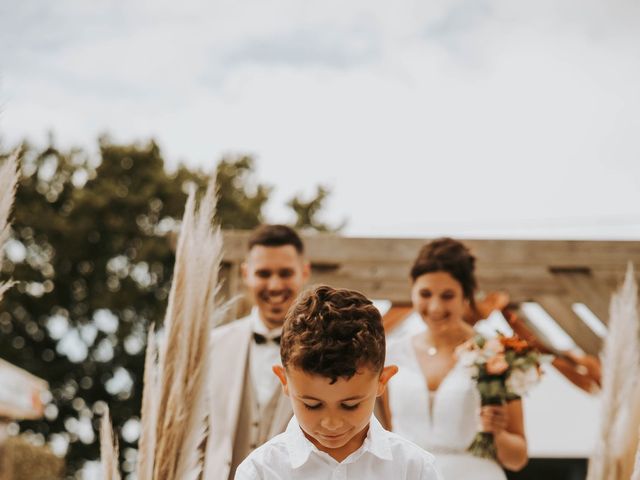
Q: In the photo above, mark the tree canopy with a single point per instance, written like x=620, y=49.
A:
x=92, y=256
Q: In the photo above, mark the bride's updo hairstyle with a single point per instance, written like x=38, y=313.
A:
x=451, y=256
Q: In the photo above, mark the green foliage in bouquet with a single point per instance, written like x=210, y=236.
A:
x=504, y=368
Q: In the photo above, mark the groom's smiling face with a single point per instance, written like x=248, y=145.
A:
x=274, y=276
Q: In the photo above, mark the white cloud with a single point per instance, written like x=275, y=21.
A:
x=451, y=116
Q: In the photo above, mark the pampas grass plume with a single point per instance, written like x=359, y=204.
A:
x=636, y=470
x=175, y=393
x=150, y=392
x=108, y=449
x=8, y=184
x=620, y=392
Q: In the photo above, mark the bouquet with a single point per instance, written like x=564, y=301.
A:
x=504, y=368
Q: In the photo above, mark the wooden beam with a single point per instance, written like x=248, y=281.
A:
x=329, y=248
x=529, y=270
x=584, y=288
x=559, y=308
x=540, y=335
x=395, y=316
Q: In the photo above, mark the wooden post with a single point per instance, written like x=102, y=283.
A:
x=560, y=310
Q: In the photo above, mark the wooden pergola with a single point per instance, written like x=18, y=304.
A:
x=554, y=274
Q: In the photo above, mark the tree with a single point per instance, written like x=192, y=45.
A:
x=92, y=255
x=239, y=202
x=307, y=212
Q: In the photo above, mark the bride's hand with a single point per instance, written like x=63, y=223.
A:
x=494, y=418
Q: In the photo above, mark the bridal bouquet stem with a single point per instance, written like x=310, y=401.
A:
x=505, y=369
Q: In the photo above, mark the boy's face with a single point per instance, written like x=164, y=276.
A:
x=274, y=276
x=334, y=417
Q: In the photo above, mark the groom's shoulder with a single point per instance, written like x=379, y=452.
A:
x=231, y=329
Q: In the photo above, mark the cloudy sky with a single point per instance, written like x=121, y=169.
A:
x=474, y=118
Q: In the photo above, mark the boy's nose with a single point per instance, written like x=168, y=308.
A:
x=331, y=424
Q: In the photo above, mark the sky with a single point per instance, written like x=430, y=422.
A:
x=470, y=118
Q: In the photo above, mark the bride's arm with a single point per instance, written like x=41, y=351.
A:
x=506, y=422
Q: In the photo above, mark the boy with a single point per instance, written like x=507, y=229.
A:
x=332, y=352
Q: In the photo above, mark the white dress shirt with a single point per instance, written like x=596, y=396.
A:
x=262, y=357
x=383, y=455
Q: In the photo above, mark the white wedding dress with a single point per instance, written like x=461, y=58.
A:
x=443, y=422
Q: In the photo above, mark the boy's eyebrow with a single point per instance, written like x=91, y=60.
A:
x=356, y=397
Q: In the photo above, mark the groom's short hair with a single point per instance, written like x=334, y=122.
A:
x=276, y=236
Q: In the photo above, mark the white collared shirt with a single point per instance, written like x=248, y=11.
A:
x=383, y=455
x=262, y=358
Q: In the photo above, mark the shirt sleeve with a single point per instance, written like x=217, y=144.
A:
x=247, y=471
x=430, y=471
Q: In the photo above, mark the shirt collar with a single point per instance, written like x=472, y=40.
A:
x=300, y=448
x=377, y=441
x=258, y=326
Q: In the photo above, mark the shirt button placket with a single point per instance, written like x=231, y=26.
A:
x=340, y=473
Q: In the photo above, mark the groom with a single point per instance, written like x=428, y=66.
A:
x=248, y=407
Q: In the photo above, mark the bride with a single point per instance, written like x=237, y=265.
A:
x=433, y=401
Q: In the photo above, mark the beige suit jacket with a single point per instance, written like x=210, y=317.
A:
x=229, y=356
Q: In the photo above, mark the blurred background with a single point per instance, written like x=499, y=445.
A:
x=484, y=119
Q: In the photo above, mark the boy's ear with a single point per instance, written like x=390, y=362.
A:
x=281, y=374
x=386, y=374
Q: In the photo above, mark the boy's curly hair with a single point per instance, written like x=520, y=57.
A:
x=333, y=333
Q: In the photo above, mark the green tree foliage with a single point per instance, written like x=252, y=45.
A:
x=307, y=211
x=92, y=253
x=240, y=202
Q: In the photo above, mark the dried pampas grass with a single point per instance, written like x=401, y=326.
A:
x=636, y=469
x=631, y=435
x=108, y=449
x=174, y=399
x=613, y=457
x=147, y=441
x=184, y=356
x=8, y=184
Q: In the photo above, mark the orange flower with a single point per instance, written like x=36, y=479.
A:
x=497, y=365
x=494, y=345
x=515, y=343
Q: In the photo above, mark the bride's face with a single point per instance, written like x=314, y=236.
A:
x=439, y=299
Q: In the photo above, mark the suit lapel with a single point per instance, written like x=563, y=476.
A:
x=239, y=361
x=229, y=361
